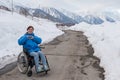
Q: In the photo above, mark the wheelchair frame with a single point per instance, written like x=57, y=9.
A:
x=25, y=63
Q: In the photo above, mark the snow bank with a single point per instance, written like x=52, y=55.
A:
x=105, y=40
x=14, y=26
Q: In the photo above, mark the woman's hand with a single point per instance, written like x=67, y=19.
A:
x=30, y=37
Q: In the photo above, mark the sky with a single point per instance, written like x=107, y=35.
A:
x=83, y=5
x=74, y=5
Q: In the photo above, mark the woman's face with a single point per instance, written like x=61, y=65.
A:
x=30, y=30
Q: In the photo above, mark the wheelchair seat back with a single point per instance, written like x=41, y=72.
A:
x=27, y=53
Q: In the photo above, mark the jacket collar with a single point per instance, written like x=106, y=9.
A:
x=29, y=34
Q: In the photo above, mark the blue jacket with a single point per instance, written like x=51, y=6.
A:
x=31, y=45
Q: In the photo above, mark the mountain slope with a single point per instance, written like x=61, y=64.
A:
x=76, y=17
x=90, y=19
x=61, y=16
x=57, y=14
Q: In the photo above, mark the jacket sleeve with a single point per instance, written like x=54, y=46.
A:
x=22, y=40
x=37, y=39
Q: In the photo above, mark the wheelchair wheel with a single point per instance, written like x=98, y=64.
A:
x=22, y=63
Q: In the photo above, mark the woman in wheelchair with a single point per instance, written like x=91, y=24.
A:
x=30, y=43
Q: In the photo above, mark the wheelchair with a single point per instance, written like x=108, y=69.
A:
x=25, y=63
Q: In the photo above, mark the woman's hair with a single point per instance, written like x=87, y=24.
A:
x=30, y=27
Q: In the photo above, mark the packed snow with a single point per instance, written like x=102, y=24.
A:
x=14, y=26
x=105, y=40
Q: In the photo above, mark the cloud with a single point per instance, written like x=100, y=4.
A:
x=83, y=5
x=74, y=5
x=94, y=4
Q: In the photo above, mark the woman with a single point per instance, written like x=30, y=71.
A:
x=30, y=43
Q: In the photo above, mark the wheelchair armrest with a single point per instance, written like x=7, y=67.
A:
x=24, y=50
x=42, y=46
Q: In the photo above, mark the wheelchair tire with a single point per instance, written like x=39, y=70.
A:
x=22, y=63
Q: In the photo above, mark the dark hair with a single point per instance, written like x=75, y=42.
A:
x=30, y=27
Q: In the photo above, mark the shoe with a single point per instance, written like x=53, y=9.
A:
x=46, y=67
x=39, y=69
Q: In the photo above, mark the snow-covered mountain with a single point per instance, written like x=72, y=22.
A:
x=57, y=15
x=111, y=16
x=6, y=3
x=101, y=17
x=72, y=15
x=41, y=14
x=109, y=19
x=46, y=13
x=22, y=10
x=90, y=19
x=60, y=15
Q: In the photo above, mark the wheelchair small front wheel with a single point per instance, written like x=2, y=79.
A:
x=29, y=73
x=46, y=72
x=22, y=63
